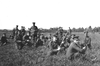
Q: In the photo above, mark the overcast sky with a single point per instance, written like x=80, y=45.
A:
x=49, y=13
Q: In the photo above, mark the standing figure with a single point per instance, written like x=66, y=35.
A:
x=23, y=31
x=34, y=32
x=18, y=40
x=87, y=41
x=70, y=31
x=60, y=35
x=15, y=31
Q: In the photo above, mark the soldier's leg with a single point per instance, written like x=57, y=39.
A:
x=33, y=37
x=71, y=58
x=17, y=46
x=89, y=46
x=21, y=46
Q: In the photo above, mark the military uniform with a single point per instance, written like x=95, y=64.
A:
x=73, y=49
x=87, y=42
x=23, y=31
x=4, y=39
x=15, y=31
x=59, y=34
x=55, y=42
x=18, y=40
x=34, y=31
x=26, y=37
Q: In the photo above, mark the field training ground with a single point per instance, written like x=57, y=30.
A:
x=10, y=56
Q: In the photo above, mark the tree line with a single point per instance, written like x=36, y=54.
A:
x=80, y=29
x=54, y=29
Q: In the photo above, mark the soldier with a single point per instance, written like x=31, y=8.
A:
x=74, y=48
x=70, y=31
x=39, y=41
x=27, y=38
x=3, y=39
x=18, y=40
x=55, y=42
x=72, y=37
x=60, y=34
x=23, y=31
x=50, y=36
x=15, y=31
x=87, y=41
x=42, y=37
x=69, y=37
x=34, y=31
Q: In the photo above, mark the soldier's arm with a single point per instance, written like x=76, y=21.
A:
x=90, y=40
x=30, y=28
x=77, y=48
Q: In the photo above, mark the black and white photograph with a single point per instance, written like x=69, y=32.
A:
x=49, y=32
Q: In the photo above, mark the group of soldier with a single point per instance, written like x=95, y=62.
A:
x=70, y=43
x=61, y=40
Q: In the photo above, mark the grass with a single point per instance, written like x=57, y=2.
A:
x=10, y=56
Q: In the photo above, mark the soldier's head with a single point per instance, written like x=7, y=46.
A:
x=33, y=23
x=76, y=39
x=28, y=33
x=16, y=26
x=4, y=34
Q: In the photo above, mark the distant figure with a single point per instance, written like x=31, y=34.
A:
x=70, y=31
x=60, y=34
x=34, y=31
x=3, y=39
x=15, y=31
x=87, y=41
x=23, y=31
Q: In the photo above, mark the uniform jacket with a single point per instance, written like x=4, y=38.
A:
x=72, y=49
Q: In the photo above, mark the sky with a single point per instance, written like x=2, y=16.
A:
x=49, y=13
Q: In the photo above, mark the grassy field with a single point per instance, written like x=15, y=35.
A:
x=28, y=56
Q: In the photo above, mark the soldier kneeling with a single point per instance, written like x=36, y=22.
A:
x=27, y=39
x=55, y=47
x=3, y=39
x=39, y=42
x=74, y=49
